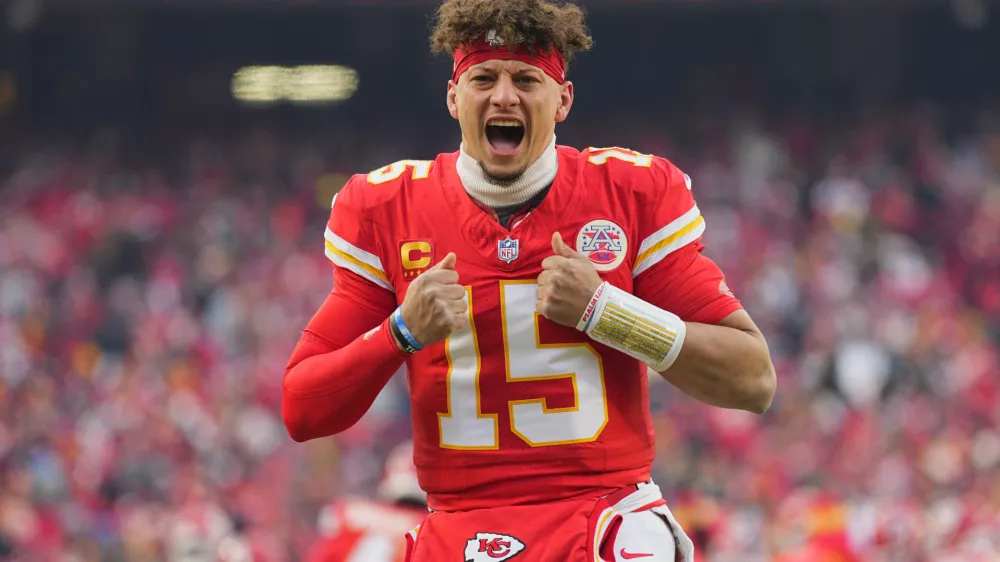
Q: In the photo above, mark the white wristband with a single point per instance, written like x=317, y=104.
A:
x=633, y=326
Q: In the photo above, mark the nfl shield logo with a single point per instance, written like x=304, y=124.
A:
x=507, y=249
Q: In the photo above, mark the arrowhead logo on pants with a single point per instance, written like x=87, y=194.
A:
x=491, y=547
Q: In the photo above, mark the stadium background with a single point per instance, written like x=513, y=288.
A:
x=161, y=249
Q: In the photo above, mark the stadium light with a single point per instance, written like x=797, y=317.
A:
x=307, y=84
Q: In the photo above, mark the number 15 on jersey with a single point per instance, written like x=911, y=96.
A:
x=465, y=426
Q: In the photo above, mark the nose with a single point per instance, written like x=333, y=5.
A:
x=504, y=92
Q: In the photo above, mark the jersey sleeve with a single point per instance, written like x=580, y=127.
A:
x=343, y=360
x=352, y=247
x=670, y=270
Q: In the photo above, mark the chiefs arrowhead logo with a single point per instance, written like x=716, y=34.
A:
x=491, y=547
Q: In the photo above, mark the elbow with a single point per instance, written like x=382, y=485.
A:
x=304, y=430
x=294, y=416
x=297, y=429
x=305, y=418
x=303, y=425
x=297, y=434
x=763, y=386
x=761, y=381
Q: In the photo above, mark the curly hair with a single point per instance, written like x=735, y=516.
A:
x=541, y=25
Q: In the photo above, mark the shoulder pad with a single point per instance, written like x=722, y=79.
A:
x=383, y=184
x=633, y=170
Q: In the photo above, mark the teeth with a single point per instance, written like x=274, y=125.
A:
x=503, y=123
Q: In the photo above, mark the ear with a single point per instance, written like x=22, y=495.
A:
x=565, y=102
x=452, y=99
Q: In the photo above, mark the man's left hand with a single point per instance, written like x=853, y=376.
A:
x=566, y=285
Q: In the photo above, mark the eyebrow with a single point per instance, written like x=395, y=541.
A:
x=482, y=67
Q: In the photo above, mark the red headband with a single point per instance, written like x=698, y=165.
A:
x=491, y=48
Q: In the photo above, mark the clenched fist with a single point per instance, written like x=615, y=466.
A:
x=434, y=306
x=566, y=285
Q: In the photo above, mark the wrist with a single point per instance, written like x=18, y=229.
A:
x=633, y=326
x=389, y=337
x=588, y=313
x=401, y=333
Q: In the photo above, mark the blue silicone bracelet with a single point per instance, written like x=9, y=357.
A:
x=397, y=318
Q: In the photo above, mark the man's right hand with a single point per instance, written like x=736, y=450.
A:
x=434, y=305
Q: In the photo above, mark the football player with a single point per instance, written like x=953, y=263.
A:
x=527, y=286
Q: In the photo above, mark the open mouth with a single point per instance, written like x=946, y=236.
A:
x=504, y=135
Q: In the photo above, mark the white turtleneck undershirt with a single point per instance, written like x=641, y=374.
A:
x=494, y=193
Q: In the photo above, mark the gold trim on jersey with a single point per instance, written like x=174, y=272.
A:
x=602, y=527
x=679, y=233
x=348, y=256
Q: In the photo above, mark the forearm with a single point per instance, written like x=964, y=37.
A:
x=325, y=392
x=725, y=366
x=343, y=360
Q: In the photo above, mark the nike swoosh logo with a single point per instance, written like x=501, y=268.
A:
x=631, y=556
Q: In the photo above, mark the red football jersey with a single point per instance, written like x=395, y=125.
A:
x=516, y=409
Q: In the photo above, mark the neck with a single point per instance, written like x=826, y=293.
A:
x=501, y=193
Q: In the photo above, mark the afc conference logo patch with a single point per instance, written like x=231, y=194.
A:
x=604, y=242
x=507, y=249
x=415, y=256
x=491, y=547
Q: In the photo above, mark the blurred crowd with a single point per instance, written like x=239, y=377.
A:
x=869, y=254
x=147, y=311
